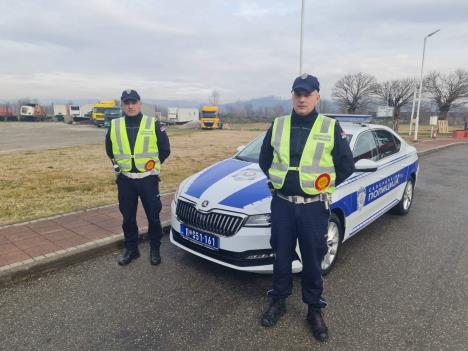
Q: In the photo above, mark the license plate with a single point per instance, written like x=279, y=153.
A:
x=207, y=240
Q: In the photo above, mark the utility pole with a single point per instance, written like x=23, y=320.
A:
x=420, y=85
x=302, y=37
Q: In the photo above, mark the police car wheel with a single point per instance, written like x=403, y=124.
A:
x=406, y=200
x=334, y=238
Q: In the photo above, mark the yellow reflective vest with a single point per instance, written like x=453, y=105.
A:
x=316, y=169
x=145, y=151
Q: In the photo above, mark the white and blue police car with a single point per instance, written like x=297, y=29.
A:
x=222, y=213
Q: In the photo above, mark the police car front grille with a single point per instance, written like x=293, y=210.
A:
x=211, y=222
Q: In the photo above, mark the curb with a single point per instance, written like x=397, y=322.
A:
x=429, y=151
x=36, y=266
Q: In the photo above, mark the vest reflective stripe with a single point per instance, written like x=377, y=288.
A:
x=118, y=136
x=145, y=153
x=145, y=148
x=319, y=145
x=281, y=156
x=279, y=166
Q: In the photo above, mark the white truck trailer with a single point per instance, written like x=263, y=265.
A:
x=180, y=115
x=60, y=111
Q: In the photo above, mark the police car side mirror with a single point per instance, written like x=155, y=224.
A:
x=365, y=165
x=240, y=148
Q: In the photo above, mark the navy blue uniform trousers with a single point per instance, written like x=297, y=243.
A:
x=308, y=224
x=148, y=190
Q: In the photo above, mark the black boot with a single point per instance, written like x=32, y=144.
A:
x=155, y=256
x=127, y=256
x=275, y=310
x=317, y=324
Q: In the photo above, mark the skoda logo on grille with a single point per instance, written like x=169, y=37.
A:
x=205, y=203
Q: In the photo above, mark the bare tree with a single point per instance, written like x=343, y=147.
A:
x=396, y=93
x=353, y=91
x=324, y=106
x=447, y=91
x=214, y=98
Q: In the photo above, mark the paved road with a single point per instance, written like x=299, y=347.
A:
x=46, y=135
x=401, y=284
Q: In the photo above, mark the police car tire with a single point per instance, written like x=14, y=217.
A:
x=336, y=220
x=401, y=208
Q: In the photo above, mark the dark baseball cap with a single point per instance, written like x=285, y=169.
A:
x=130, y=94
x=306, y=82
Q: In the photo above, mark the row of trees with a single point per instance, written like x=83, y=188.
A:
x=354, y=92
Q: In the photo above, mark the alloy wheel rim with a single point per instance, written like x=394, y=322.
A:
x=407, y=196
x=333, y=238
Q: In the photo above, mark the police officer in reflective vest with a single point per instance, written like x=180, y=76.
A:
x=137, y=146
x=304, y=155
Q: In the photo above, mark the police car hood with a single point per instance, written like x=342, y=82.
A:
x=232, y=185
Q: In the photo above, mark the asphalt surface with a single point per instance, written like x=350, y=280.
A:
x=46, y=135
x=400, y=284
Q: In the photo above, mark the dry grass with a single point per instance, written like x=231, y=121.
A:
x=260, y=126
x=36, y=184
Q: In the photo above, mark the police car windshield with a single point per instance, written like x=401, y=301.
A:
x=251, y=152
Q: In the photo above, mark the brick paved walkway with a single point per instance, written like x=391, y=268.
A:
x=27, y=242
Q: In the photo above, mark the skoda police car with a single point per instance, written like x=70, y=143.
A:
x=222, y=213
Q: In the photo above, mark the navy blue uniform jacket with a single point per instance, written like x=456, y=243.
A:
x=133, y=124
x=300, y=129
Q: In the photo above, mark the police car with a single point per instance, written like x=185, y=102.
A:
x=222, y=213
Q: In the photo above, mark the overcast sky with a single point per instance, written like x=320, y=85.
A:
x=183, y=49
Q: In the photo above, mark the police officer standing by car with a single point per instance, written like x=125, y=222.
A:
x=137, y=146
x=304, y=155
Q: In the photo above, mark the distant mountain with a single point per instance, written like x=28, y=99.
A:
x=262, y=102
x=266, y=102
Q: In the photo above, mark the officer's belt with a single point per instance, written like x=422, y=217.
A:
x=296, y=199
x=139, y=175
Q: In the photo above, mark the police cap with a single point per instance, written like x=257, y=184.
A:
x=306, y=82
x=130, y=94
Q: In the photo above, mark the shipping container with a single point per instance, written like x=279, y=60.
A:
x=7, y=112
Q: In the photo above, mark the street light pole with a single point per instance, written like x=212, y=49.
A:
x=412, y=109
x=302, y=37
x=416, y=127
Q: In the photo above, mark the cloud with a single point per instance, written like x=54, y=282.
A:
x=244, y=49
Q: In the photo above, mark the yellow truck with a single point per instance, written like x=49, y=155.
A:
x=99, y=111
x=209, y=118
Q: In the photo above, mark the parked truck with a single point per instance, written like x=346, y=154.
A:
x=209, y=118
x=99, y=111
x=110, y=114
x=60, y=111
x=32, y=112
x=7, y=113
x=180, y=115
x=75, y=111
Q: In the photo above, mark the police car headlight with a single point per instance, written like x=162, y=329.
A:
x=179, y=189
x=262, y=220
